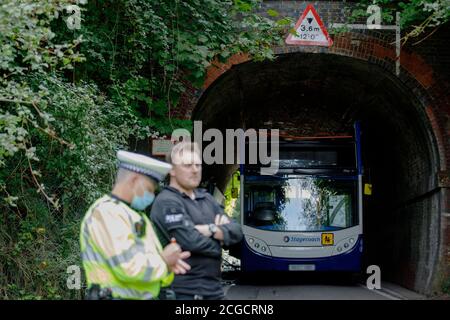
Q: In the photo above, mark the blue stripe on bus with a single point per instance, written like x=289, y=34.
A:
x=349, y=261
x=358, y=146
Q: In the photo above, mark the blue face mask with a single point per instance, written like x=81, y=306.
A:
x=142, y=202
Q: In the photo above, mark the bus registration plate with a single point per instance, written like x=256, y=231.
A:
x=302, y=267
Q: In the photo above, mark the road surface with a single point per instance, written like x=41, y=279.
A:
x=275, y=287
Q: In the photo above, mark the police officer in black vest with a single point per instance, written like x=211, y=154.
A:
x=194, y=218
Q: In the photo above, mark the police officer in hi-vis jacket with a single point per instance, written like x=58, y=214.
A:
x=122, y=256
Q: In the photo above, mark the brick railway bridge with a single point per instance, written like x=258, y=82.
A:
x=406, y=121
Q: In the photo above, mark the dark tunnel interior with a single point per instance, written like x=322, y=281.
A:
x=308, y=94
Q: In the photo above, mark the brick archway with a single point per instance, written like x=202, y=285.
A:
x=416, y=74
x=421, y=82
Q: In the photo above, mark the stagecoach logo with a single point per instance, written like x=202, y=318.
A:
x=301, y=239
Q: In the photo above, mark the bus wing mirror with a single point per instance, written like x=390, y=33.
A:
x=234, y=193
x=368, y=189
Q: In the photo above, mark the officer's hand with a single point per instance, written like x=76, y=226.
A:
x=180, y=266
x=221, y=219
x=203, y=229
x=171, y=254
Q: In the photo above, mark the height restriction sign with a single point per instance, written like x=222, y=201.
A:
x=310, y=30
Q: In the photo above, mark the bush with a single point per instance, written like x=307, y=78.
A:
x=39, y=235
x=70, y=98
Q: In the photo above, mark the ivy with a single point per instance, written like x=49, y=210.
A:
x=416, y=16
x=145, y=53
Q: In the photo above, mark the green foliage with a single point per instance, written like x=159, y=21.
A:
x=67, y=178
x=145, y=53
x=69, y=99
x=133, y=95
x=413, y=11
x=416, y=16
x=232, y=205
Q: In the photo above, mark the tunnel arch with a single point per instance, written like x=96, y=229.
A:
x=325, y=93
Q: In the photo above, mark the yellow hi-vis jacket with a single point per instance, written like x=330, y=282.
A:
x=120, y=251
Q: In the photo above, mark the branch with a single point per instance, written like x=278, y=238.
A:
x=15, y=101
x=39, y=186
x=47, y=131
x=435, y=29
x=417, y=29
x=37, y=109
x=52, y=135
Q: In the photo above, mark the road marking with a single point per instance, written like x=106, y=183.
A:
x=395, y=294
x=386, y=295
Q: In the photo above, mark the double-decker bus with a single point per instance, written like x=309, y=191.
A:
x=307, y=216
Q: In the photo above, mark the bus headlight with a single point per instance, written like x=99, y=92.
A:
x=258, y=246
x=344, y=245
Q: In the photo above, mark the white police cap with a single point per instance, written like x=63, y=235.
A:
x=139, y=163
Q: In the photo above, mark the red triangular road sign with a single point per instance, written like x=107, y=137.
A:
x=310, y=30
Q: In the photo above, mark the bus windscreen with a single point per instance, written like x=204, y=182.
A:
x=299, y=203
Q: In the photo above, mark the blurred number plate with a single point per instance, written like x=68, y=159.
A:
x=302, y=267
